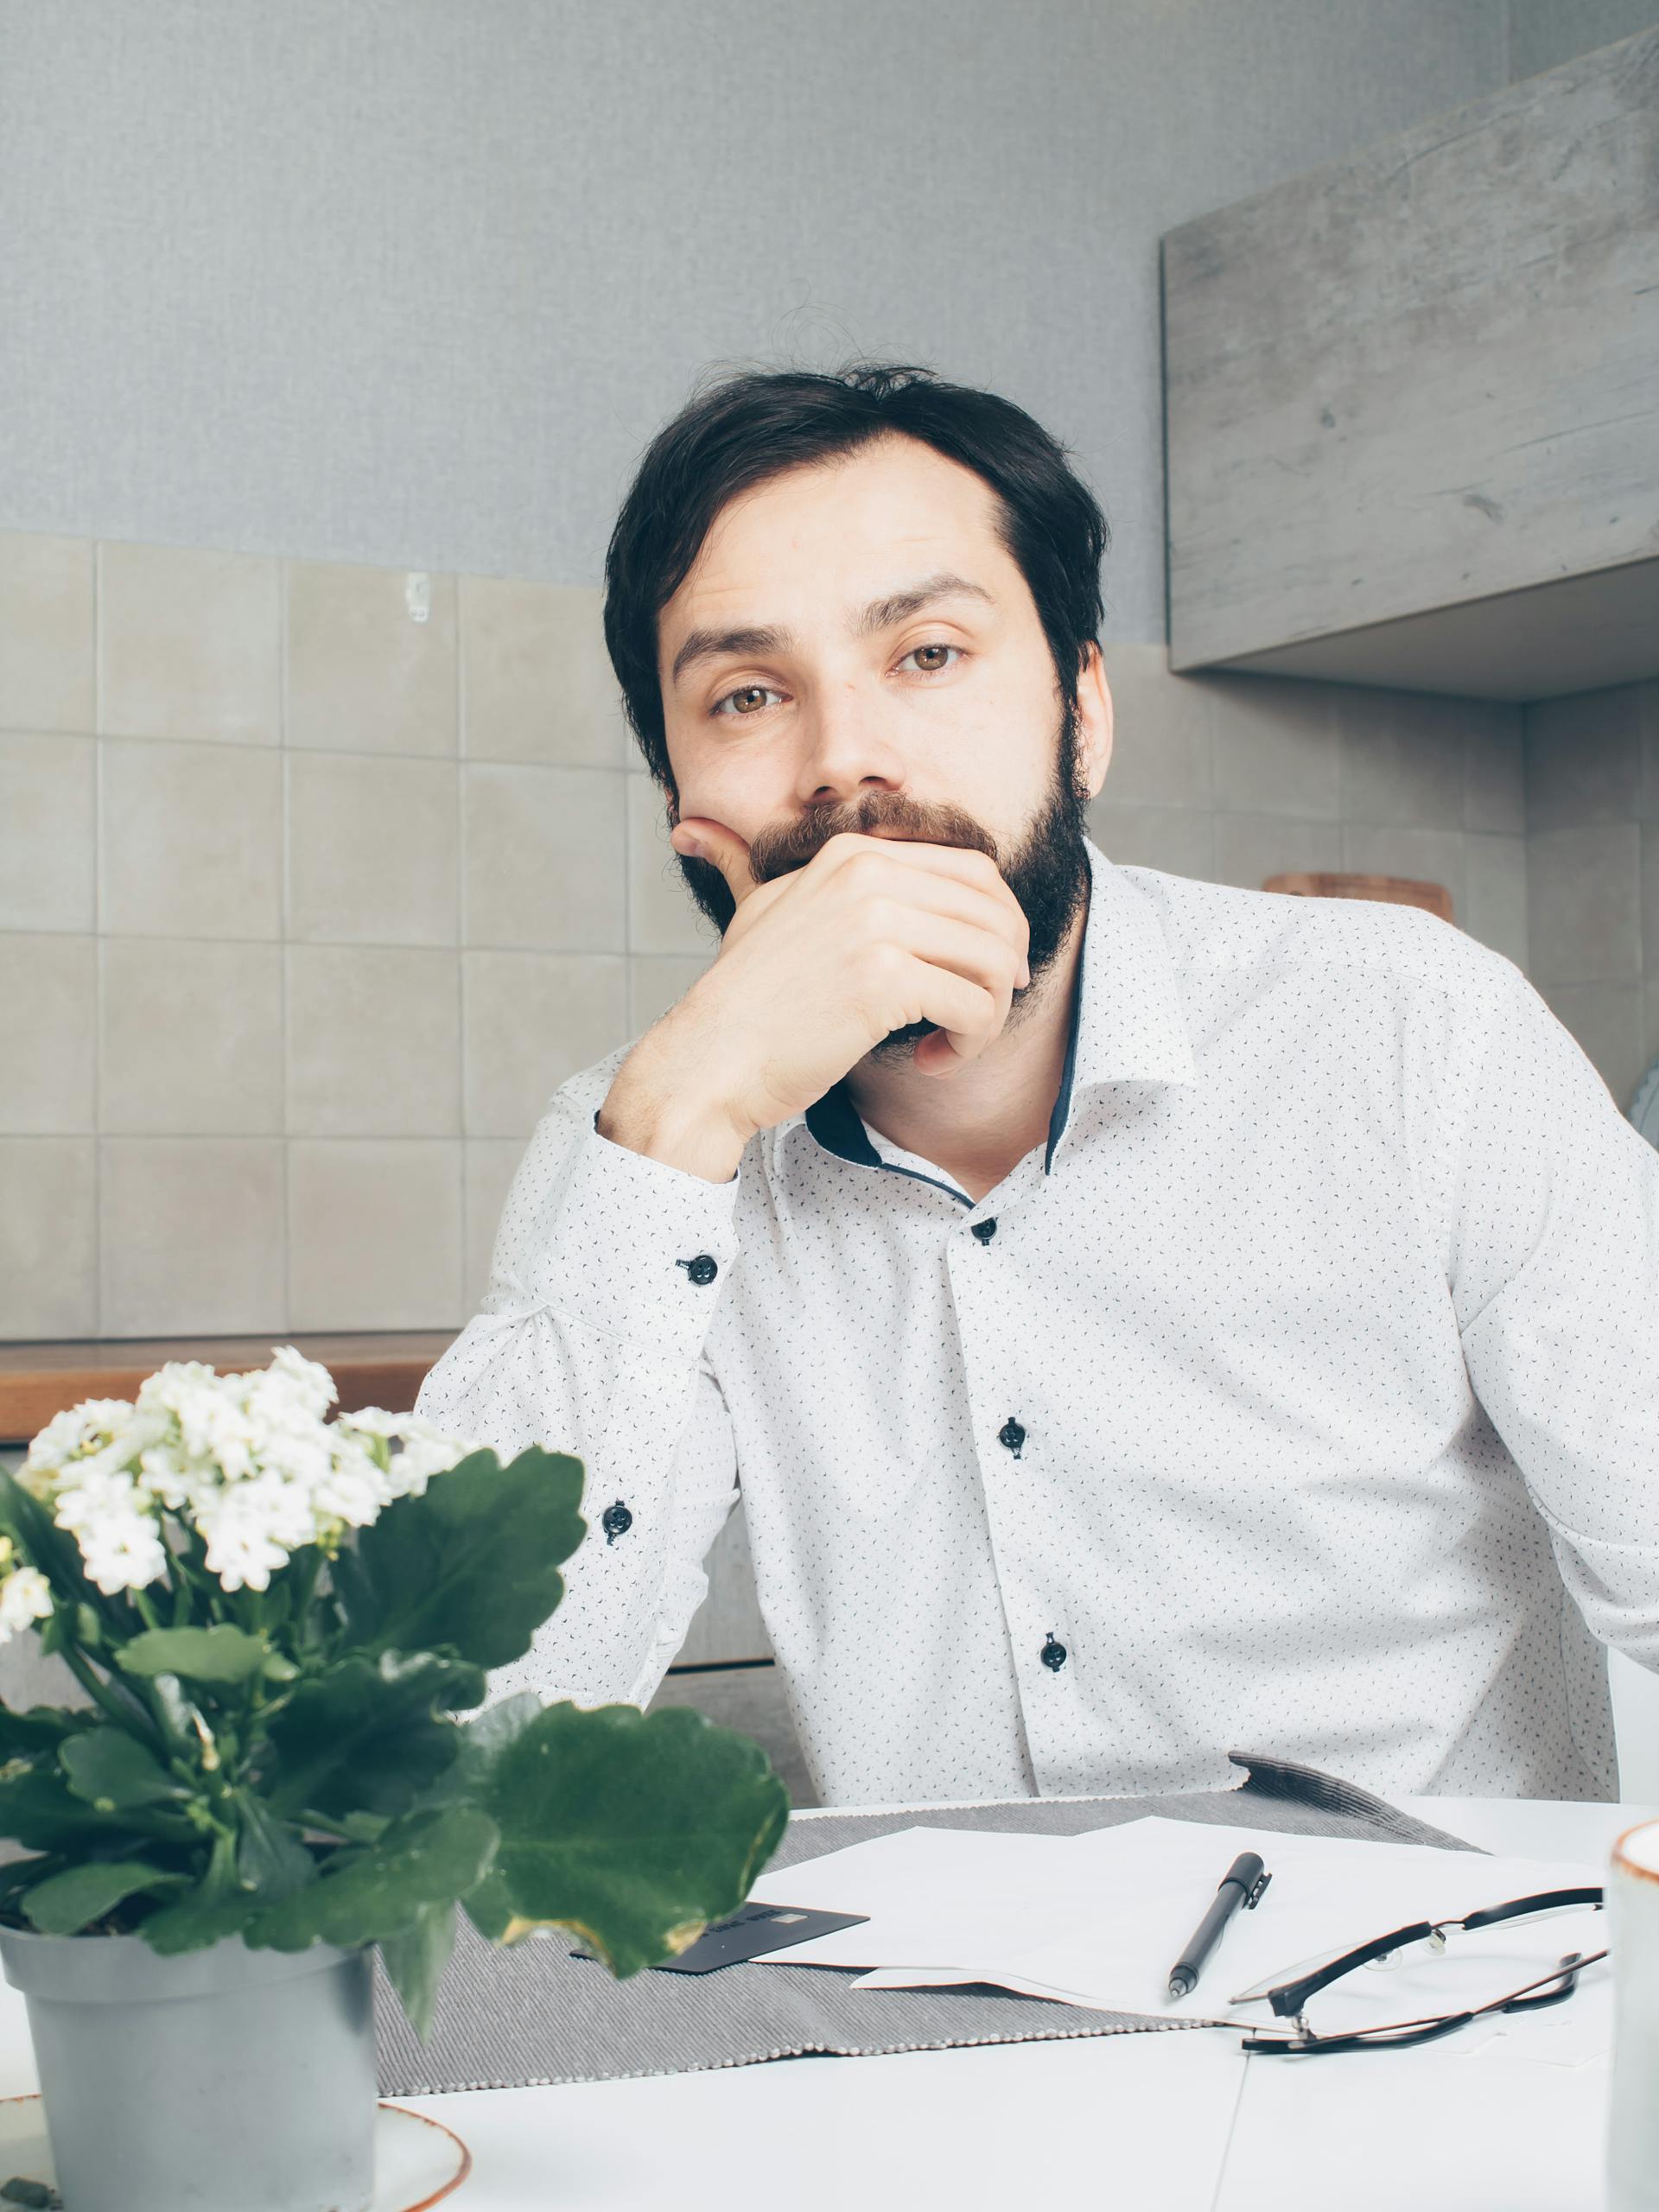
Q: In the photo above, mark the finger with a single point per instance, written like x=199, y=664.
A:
x=967, y=1014
x=961, y=864
x=979, y=956
x=910, y=893
x=699, y=836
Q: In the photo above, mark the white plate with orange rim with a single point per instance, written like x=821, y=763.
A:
x=416, y=2160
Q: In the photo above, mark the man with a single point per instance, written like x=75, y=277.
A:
x=1145, y=1317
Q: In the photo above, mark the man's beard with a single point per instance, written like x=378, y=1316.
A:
x=1048, y=873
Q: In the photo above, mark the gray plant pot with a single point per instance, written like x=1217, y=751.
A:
x=223, y=2080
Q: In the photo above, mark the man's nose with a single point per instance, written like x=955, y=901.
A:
x=846, y=751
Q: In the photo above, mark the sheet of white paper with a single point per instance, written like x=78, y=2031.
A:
x=1577, y=2033
x=1098, y=1919
x=927, y=1891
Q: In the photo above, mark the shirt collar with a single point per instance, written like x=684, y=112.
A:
x=1126, y=1022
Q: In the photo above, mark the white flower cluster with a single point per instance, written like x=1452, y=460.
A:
x=250, y=1462
x=25, y=1594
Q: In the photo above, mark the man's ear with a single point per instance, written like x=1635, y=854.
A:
x=1095, y=723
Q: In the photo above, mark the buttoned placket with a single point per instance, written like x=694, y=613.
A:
x=1044, y=1671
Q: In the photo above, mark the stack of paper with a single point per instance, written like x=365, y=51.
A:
x=1098, y=1919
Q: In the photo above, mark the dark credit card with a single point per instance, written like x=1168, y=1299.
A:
x=757, y=1928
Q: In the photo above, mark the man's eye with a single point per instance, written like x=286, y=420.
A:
x=941, y=647
x=746, y=690
x=743, y=692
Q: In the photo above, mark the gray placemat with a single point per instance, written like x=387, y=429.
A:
x=533, y=2014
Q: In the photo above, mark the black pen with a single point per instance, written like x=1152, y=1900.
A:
x=1241, y=1886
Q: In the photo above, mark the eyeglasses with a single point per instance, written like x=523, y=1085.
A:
x=1468, y=1966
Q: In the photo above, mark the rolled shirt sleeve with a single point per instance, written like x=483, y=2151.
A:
x=608, y=1269
x=1554, y=1250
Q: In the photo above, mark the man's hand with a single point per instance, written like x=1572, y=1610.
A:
x=815, y=970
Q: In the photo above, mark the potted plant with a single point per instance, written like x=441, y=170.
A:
x=281, y=1623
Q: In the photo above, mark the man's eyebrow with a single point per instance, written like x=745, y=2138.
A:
x=880, y=614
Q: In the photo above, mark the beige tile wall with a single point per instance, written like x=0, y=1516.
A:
x=315, y=881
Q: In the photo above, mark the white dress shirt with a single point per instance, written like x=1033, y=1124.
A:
x=1299, y=1394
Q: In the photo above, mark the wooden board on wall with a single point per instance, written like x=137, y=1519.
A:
x=386, y=1370
x=1422, y=379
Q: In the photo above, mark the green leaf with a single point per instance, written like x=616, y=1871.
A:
x=193, y=1922
x=481, y=1740
x=366, y=1828
x=22, y=1873
x=113, y=1771
x=38, y=1807
x=472, y=1564
x=633, y=1829
x=377, y=1894
x=42, y=1727
x=222, y=1654
x=64, y=1904
x=365, y=1736
x=414, y=1963
x=271, y=1861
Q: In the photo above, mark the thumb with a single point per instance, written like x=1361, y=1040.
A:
x=700, y=837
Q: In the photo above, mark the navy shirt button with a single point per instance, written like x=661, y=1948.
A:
x=1053, y=1654
x=703, y=1269
x=1011, y=1435
x=615, y=1521
x=984, y=1230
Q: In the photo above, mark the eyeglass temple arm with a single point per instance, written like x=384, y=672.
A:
x=1304, y=2042
x=1291, y=1996
x=1546, y=1900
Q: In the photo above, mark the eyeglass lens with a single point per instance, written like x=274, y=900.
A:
x=1419, y=1947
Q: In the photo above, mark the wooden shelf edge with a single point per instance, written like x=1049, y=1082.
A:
x=38, y=1381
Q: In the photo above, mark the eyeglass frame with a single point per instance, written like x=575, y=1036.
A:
x=1289, y=1999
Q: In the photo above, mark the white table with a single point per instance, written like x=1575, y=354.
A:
x=1166, y=2121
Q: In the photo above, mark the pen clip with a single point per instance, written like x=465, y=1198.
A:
x=1254, y=1897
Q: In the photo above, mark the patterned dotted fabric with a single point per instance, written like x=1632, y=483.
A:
x=1306, y=1394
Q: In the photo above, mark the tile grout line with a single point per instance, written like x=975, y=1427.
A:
x=255, y=1137
x=342, y=752
x=97, y=938
x=462, y=920
x=285, y=920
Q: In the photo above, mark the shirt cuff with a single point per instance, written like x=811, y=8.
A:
x=635, y=1246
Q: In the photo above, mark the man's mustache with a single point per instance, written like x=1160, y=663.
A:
x=793, y=844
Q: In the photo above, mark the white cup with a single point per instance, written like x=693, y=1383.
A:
x=1633, y=1946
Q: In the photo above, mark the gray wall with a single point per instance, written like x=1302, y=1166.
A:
x=1542, y=34
x=405, y=283
x=1592, y=855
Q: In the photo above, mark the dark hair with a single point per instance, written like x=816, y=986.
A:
x=760, y=423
